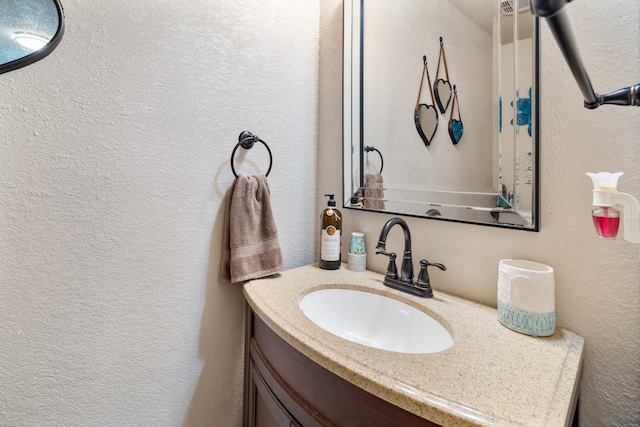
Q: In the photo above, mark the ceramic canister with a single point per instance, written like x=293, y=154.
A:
x=357, y=256
x=526, y=300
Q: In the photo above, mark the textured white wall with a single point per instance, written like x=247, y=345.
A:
x=114, y=151
x=598, y=282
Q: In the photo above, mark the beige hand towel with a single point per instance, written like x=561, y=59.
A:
x=250, y=247
x=373, y=191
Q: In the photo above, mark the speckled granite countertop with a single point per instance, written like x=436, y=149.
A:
x=491, y=376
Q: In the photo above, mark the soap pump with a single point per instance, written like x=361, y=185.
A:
x=606, y=216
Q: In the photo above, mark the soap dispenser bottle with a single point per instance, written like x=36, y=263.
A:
x=330, y=236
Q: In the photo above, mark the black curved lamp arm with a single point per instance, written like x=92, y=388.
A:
x=560, y=26
x=547, y=8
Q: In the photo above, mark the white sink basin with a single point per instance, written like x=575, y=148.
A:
x=375, y=321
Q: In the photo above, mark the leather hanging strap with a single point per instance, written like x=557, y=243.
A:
x=442, y=56
x=425, y=70
x=454, y=104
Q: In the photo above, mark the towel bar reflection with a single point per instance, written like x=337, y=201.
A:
x=369, y=148
x=247, y=141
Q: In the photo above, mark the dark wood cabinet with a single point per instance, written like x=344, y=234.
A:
x=285, y=388
x=267, y=410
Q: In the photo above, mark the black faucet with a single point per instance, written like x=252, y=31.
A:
x=405, y=283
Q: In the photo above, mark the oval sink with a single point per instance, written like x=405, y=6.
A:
x=375, y=321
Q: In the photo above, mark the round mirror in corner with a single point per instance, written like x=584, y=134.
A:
x=29, y=31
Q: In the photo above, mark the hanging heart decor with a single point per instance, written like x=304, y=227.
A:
x=455, y=130
x=425, y=116
x=455, y=126
x=442, y=91
x=442, y=88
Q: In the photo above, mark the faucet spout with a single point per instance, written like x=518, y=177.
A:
x=406, y=271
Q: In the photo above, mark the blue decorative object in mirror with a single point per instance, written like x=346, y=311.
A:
x=523, y=113
x=455, y=126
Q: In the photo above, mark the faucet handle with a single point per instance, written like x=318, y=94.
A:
x=423, y=277
x=392, y=270
x=427, y=263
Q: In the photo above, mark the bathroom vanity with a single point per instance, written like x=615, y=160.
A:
x=298, y=374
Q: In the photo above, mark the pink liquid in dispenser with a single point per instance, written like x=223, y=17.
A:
x=606, y=220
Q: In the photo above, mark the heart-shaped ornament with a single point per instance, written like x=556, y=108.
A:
x=442, y=91
x=426, y=119
x=455, y=130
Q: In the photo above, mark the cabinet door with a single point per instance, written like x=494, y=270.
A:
x=267, y=410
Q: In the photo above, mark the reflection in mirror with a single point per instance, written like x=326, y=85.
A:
x=490, y=176
x=442, y=87
x=29, y=31
x=425, y=115
x=373, y=194
x=456, y=127
x=426, y=118
x=442, y=92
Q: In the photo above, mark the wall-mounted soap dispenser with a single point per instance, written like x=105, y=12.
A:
x=607, y=200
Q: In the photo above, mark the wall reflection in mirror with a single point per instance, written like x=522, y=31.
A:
x=29, y=31
x=488, y=174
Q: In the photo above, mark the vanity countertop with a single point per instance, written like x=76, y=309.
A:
x=491, y=376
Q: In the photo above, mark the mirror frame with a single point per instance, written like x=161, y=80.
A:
x=353, y=120
x=40, y=53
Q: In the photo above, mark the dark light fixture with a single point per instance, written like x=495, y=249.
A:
x=555, y=15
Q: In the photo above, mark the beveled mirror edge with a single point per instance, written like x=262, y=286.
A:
x=349, y=152
x=41, y=53
x=535, y=211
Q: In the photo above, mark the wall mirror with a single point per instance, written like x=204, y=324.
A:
x=481, y=165
x=29, y=31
